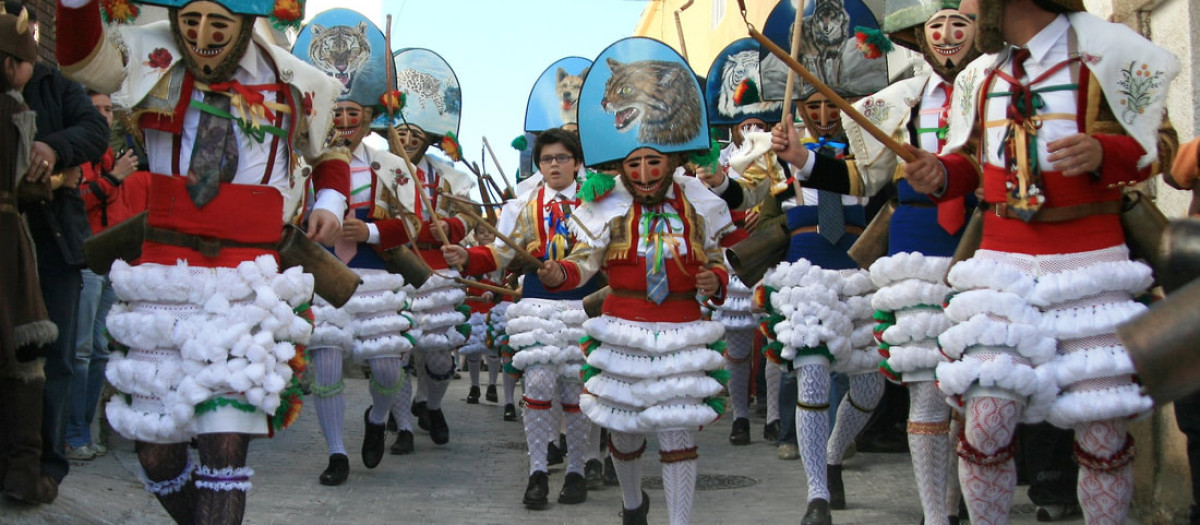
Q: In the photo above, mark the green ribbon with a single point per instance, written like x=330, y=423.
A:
x=649, y=223
x=257, y=133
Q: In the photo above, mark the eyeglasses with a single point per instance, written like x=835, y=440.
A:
x=561, y=159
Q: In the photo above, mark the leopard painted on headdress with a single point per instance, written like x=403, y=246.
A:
x=661, y=96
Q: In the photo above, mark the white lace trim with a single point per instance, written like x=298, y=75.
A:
x=169, y=486
x=223, y=474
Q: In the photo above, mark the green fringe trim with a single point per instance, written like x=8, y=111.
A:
x=875, y=38
x=589, y=344
x=520, y=143
x=820, y=350
x=464, y=329
x=587, y=372
x=720, y=374
x=511, y=370
x=292, y=393
x=709, y=157
x=887, y=372
x=326, y=391
x=376, y=387
x=884, y=316
x=775, y=346
x=596, y=186
x=411, y=340
x=717, y=404
x=462, y=308
x=719, y=346
x=215, y=403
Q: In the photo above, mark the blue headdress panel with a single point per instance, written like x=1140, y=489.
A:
x=554, y=99
x=733, y=92
x=348, y=47
x=640, y=93
x=829, y=50
x=432, y=97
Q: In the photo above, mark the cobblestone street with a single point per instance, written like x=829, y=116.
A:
x=479, y=477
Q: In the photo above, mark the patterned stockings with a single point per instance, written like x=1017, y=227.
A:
x=677, y=452
x=928, y=423
x=540, y=425
x=737, y=361
x=986, y=469
x=435, y=377
x=865, y=392
x=577, y=425
x=401, y=407
x=327, y=395
x=812, y=425
x=1106, y=473
x=627, y=452
x=774, y=376
x=386, y=375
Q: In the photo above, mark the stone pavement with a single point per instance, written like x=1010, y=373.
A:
x=479, y=477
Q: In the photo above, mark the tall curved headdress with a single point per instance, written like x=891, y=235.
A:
x=733, y=91
x=900, y=17
x=829, y=48
x=640, y=93
x=282, y=13
x=348, y=47
x=554, y=98
x=432, y=97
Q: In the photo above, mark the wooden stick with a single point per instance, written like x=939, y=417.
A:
x=837, y=100
x=496, y=161
x=488, y=287
x=521, y=252
x=679, y=28
x=797, y=36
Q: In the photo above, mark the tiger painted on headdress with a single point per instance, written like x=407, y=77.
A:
x=742, y=68
x=340, y=51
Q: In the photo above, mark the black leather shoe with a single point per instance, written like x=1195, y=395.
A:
x=421, y=410
x=439, y=431
x=473, y=396
x=538, y=489
x=817, y=513
x=403, y=444
x=337, y=471
x=740, y=435
x=637, y=516
x=490, y=394
x=554, y=455
x=771, y=431
x=373, y=441
x=574, y=489
x=593, y=473
x=510, y=412
x=610, y=473
x=837, y=489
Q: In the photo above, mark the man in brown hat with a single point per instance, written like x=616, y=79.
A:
x=1065, y=113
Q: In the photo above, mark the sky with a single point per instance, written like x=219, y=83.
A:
x=498, y=48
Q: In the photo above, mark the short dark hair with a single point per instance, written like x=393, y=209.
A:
x=557, y=136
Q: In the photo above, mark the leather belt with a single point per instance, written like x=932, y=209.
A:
x=1062, y=213
x=207, y=246
x=852, y=230
x=428, y=246
x=671, y=296
x=919, y=204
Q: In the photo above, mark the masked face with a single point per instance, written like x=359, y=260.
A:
x=647, y=175
x=948, y=43
x=352, y=122
x=213, y=39
x=414, y=141
x=821, y=117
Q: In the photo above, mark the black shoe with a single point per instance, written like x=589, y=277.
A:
x=421, y=410
x=1057, y=512
x=403, y=444
x=593, y=473
x=817, y=513
x=740, y=435
x=610, y=473
x=490, y=394
x=337, y=471
x=439, y=431
x=837, y=489
x=554, y=455
x=373, y=441
x=574, y=489
x=538, y=489
x=771, y=432
x=637, y=516
x=391, y=424
x=510, y=412
x=473, y=396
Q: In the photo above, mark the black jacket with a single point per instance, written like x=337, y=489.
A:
x=69, y=123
